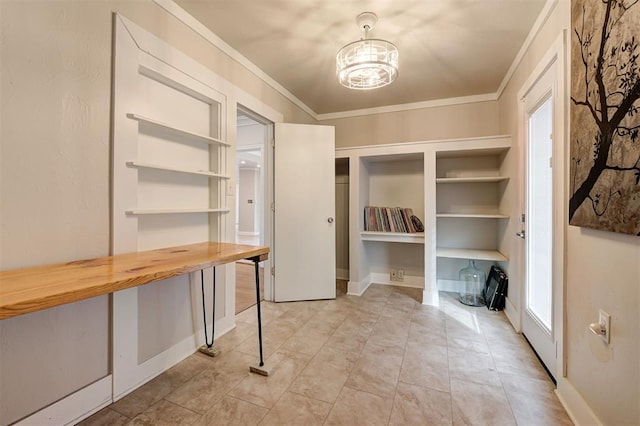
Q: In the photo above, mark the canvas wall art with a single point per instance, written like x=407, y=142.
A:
x=604, y=185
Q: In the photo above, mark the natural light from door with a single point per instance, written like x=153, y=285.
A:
x=540, y=219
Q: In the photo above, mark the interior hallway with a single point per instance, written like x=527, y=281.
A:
x=246, y=285
x=379, y=359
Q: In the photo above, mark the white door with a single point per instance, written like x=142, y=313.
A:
x=539, y=232
x=304, y=228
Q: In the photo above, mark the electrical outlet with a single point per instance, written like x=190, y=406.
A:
x=605, y=322
x=397, y=275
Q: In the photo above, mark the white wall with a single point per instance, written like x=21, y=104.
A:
x=55, y=174
x=248, y=180
x=251, y=135
x=602, y=271
x=251, y=181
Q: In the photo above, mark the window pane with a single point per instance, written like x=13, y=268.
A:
x=539, y=235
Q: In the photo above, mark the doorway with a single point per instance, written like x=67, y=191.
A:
x=252, y=135
x=542, y=204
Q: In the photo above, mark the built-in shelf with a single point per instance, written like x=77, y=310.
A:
x=173, y=211
x=180, y=132
x=140, y=165
x=473, y=215
x=483, y=179
x=393, y=237
x=455, y=253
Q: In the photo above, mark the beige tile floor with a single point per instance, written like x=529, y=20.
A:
x=379, y=359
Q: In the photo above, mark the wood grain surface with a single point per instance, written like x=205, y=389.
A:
x=41, y=287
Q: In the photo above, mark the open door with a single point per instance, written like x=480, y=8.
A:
x=304, y=228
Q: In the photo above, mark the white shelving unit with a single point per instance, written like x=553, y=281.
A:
x=455, y=187
x=393, y=237
x=172, y=173
x=473, y=215
x=173, y=211
x=469, y=191
x=140, y=165
x=492, y=255
x=490, y=179
x=181, y=133
x=178, y=142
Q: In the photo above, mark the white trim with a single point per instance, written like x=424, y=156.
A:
x=411, y=281
x=141, y=48
x=172, y=356
x=73, y=408
x=576, y=407
x=509, y=311
x=418, y=146
x=409, y=106
x=357, y=288
x=183, y=16
x=548, y=7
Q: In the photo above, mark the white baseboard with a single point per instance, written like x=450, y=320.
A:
x=409, y=280
x=342, y=274
x=357, y=288
x=512, y=315
x=75, y=407
x=576, y=407
x=155, y=366
x=94, y=397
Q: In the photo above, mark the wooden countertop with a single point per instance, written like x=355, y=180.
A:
x=32, y=289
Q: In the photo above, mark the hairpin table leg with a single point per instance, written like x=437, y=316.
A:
x=208, y=348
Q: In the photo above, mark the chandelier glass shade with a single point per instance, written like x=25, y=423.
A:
x=368, y=63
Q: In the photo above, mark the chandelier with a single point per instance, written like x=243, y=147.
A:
x=367, y=63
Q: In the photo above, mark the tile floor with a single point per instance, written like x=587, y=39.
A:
x=379, y=359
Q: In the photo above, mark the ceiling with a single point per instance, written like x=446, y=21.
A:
x=448, y=48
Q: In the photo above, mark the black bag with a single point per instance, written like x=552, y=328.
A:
x=495, y=289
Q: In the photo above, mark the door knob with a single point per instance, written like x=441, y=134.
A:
x=330, y=220
x=521, y=234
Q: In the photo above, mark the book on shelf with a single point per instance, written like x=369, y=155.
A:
x=388, y=219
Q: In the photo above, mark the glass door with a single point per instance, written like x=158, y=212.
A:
x=538, y=232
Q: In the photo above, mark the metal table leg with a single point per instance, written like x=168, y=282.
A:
x=260, y=368
x=208, y=348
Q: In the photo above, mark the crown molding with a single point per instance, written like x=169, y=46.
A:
x=547, y=9
x=183, y=16
x=410, y=106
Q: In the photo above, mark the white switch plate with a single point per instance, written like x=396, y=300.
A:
x=605, y=319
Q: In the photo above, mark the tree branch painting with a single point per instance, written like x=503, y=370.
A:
x=605, y=115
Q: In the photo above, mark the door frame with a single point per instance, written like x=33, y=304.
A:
x=557, y=53
x=263, y=115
